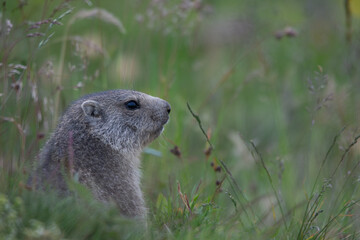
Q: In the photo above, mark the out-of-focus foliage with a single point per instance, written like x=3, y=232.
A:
x=274, y=84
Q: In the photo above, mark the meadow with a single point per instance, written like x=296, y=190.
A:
x=262, y=141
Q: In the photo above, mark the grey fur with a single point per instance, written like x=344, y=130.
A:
x=100, y=139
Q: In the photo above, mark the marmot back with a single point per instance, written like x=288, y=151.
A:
x=99, y=138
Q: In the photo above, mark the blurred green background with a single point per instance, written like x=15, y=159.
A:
x=282, y=76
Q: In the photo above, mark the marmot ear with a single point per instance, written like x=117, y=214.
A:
x=91, y=108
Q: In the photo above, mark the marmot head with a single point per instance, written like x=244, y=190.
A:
x=126, y=120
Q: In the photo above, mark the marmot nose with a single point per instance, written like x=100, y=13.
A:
x=168, y=107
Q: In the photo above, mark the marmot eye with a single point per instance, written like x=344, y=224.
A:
x=132, y=105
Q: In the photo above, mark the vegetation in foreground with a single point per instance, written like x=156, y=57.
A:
x=262, y=142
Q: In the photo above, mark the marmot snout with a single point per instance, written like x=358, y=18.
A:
x=100, y=137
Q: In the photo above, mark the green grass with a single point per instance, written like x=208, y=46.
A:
x=282, y=115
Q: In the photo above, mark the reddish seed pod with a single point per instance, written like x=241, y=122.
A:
x=208, y=151
x=176, y=151
x=40, y=135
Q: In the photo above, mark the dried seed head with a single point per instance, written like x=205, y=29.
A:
x=286, y=32
x=9, y=26
x=17, y=86
x=176, y=151
x=35, y=34
x=40, y=135
x=290, y=32
x=59, y=88
x=208, y=151
x=79, y=85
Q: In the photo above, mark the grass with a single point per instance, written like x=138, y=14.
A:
x=263, y=137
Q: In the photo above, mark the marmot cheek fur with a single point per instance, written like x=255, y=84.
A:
x=100, y=137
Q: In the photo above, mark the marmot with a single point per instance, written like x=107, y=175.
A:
x=99, y=139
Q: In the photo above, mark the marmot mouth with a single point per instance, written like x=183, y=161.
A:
x=152, y=135
x=155, y=132
x=159, y=130
x=166, y=120
x=159, y=118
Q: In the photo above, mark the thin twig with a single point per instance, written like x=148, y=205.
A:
x=200, y=125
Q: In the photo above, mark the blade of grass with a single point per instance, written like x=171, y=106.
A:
x=235, y=187
x=322, y=233
x=345, y=153
x=314, y=206
x=271, y=183
x=304, y=228
x=233, y=184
